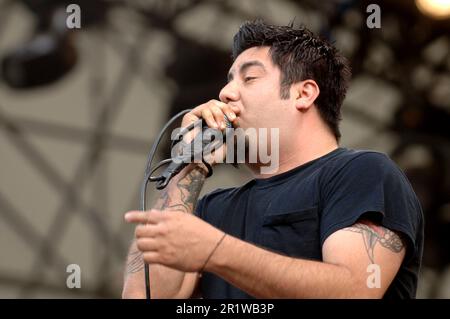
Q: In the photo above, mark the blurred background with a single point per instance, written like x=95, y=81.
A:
x=79, y=110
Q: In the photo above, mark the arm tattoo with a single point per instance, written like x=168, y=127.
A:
x=189, y=188
x=373, y=234
x=135, y=262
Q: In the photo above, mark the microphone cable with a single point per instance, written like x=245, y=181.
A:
x=164, y=179
x=149, y=170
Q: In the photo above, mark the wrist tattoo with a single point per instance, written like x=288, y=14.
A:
x=189, y=188
x=135, y=261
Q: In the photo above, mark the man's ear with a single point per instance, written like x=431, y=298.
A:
x=306, y=92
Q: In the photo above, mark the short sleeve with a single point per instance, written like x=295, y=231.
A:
x=199, y=207
x=369, y=183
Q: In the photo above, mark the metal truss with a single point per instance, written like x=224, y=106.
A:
x=157, y=15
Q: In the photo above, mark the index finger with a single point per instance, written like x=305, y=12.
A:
x=141, y=217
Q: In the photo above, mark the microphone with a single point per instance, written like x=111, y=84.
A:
x=190, y=152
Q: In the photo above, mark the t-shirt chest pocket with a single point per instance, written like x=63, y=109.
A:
x=293, y=233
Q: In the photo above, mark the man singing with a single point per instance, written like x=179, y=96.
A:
x=330, y=222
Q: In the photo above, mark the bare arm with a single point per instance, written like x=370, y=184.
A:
x=343, y=273
x=180, y=195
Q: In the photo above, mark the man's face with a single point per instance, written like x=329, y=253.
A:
x=254, y=87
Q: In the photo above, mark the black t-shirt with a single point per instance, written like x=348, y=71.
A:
x=294, y=212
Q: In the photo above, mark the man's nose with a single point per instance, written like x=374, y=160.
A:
x=229, y=93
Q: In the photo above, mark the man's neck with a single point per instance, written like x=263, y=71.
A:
x=295, y=153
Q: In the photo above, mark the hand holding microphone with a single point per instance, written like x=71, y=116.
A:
x=195, y=146
x=215, y=114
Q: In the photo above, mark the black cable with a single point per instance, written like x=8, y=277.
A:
x=147, y=177
x=164, y=179
x=154, y=179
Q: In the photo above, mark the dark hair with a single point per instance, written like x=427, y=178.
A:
x=301, y=55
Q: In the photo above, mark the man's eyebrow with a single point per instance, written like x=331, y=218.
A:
x=244, y=67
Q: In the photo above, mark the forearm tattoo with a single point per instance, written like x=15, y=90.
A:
x=373, y=234
x=135, y=262
x=188, y=188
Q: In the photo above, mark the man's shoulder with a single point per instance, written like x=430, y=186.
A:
x=360, y=159
x=361, y=166
x=349, y=154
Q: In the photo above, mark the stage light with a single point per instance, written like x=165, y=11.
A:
x=41, y=61
x=437, y=9
x=50, y=52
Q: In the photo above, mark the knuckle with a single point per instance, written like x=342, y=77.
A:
x=163, y=230
x=216, y=110
x=197, y=108
x=140, y=244
x=153, y=213
x=189, y=116
x=206, y=113
x=138, y=232
x=219, y=104
x=226, y=108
